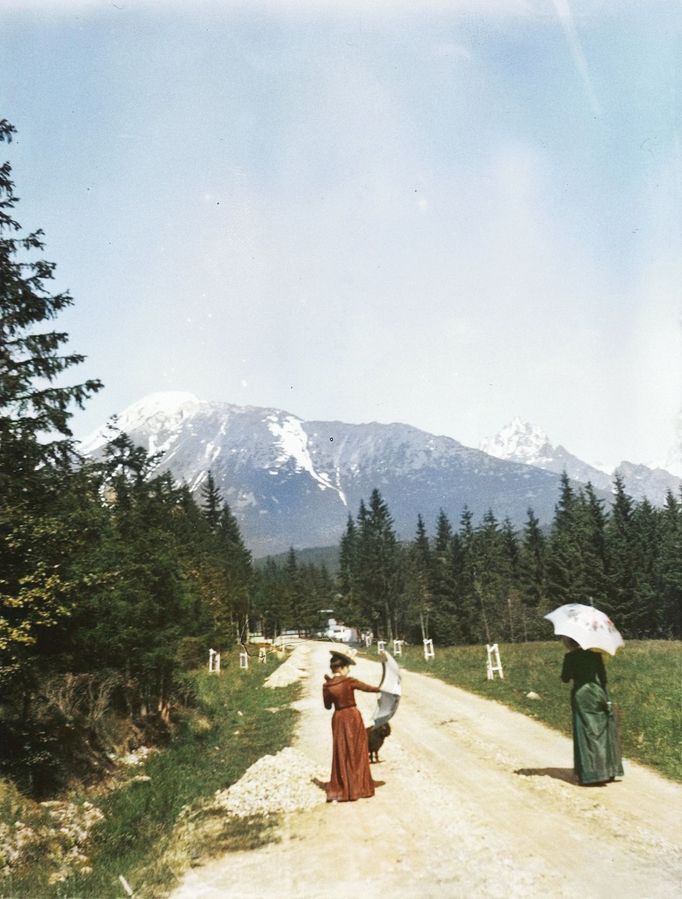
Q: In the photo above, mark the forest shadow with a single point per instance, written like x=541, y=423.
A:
x=565, y=774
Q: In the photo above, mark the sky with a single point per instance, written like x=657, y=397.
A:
x=446, y=214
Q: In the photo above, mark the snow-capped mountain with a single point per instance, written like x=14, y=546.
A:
x=522, y=442
x=292, y=482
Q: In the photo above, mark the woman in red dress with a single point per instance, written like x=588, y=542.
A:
x=350, y=777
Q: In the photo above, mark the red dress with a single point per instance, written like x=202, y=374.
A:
x=350, y=777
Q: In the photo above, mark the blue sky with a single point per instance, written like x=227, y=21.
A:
x=446, y=214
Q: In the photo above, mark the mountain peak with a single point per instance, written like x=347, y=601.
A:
x=162, y=408
x=519, y=441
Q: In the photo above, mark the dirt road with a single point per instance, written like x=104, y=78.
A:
x=477, y=800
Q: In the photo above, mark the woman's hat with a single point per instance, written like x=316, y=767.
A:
x=346, y=653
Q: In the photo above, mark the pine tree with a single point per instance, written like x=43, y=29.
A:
x=238, y=569
x=347, y=559
x=593, y=549
x=622, y=604
x=669, y=568
x=464, y=574
x=565, y=566
x=377, y=565
x=647, y=544
x=418, y=578
x=37, y=452
x=211, y=501
x=533, y=578
x=446, y=623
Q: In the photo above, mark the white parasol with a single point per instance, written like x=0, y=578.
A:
x=390, y=690
x=589, y=627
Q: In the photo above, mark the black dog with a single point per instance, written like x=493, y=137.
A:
x=376, y=734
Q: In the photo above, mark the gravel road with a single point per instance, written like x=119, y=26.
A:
x=477, y=800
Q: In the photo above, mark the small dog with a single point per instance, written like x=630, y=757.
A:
x=376, y=734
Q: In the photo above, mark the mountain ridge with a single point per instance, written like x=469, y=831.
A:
x=520, y=441
x=292, y=482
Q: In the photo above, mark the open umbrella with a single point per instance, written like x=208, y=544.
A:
x=390, y=690
x=589, y=627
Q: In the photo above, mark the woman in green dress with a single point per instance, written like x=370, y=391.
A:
x=596, y=751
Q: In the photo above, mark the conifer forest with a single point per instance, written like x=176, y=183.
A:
x=114, y=581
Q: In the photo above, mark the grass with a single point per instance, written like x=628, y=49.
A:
x=644, y=680
x=155, y=829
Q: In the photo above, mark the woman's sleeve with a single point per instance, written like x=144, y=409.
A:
x=326, y=698
x=567, y=669
x=365, y=688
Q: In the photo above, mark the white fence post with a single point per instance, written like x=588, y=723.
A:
x=243, y=660
x=428, y=650
x=398, y=647
x=262, y=654
x=494, y=664
x=381, y=645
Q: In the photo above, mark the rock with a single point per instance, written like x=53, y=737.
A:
x=275, y=783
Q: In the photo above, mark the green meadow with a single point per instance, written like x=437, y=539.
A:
x=644, y=680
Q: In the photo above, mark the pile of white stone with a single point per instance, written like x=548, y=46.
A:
x=284, y=782
x=295, y=667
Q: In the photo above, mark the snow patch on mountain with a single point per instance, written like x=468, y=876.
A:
x=293, y=442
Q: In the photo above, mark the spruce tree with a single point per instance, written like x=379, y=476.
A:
x=418, y=579
x=446, y=623
x=377, y=565
x=622, y=605
x=565, y=567
x=669, y=568
x=211, y=501
x=533, y=578
x=37, y=450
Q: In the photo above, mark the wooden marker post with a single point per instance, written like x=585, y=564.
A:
x=494, y=664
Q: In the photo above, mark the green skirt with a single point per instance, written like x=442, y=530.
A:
x=596, y=750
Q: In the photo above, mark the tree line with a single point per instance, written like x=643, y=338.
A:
x=489, y=581
x=113, y=580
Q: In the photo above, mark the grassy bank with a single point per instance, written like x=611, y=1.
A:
x=645, y=680
x=142, y=837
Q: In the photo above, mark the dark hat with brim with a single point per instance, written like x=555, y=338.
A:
x=344, y=655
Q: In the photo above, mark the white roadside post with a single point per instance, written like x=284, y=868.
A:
x=368, y=640
x=494, y=664
x=243, y=660
x=381, y=645
x=262, y=654
x=428, y=650
x=214, y=661
x=398, y=647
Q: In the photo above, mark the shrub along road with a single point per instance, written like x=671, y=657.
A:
x=477, y=799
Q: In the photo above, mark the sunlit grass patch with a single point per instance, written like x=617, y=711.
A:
x=644, y=680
